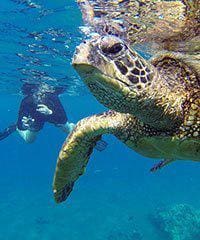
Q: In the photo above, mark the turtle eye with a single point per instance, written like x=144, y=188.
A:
x=114, y=49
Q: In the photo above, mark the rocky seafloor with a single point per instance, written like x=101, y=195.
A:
x=178, y=222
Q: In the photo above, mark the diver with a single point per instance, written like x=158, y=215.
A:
x=40, y=104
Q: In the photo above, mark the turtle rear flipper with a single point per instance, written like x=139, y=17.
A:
x=76, y=151
x=161, y=164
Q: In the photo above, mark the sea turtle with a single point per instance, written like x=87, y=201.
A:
x=154, y=104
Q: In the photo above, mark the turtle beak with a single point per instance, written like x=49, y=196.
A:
x=81, y=55
x=81, y=60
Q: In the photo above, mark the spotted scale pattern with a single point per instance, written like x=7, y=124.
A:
x=135, y=69
x=191, y=125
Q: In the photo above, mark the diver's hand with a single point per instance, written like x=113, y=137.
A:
x=27, y=121
x=44, y=109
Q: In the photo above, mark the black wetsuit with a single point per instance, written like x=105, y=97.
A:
x=29, y=106
x=34, y=97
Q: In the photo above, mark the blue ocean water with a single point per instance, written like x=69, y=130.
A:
x=117, y=194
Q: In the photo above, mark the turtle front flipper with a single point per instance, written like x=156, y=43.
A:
x=78, y=147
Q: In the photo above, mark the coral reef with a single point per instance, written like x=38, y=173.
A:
x=178, y=222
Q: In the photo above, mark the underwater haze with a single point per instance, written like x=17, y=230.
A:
x=118, y=197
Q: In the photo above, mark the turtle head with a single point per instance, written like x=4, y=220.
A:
x=115, y=74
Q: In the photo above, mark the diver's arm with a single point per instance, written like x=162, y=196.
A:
x=9, y=130
x=27, y=135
